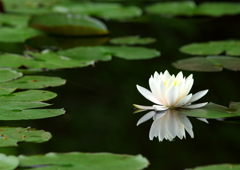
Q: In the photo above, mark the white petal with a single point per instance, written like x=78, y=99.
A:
x=166, y=75
x=172, y=95
x=159, y=115
x=154, y=129
x=203, y=120
x=143, y=107
x=198, y=95
x=147, y=94
x=183, y=101
x=190, y=132
x=160, y=108
x=195, y=106
x=179, y=76
x=154, y=89
x=146, y=117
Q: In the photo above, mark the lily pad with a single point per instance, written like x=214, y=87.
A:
x=20, y=34
x=14, y=20
x=27, y=96
x=132, y=40
x=217, y=9
x=68, y=25
x=209, y=64
x=83, y=161
x=8, y=75
x=104, y=53
x=218, y=167
x=214, y=111
x=10, y=136
x=44, y=60
x=189, y=8
x=101, y=10
x=8, y=162
x=231, y=47
x=172, y=8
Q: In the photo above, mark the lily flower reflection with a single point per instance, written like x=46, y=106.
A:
x=170, y=91
x=168, y=124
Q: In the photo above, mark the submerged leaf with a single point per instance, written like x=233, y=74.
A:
x=132, y=40
x=231, y=47
x=10, y=136
x=83, y=161
x=208, y=64
x=68, y=25
x=8, y=162
x=214, y=111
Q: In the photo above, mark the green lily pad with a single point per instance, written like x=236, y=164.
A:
x=29, y=6
x=172, y=8
x=8, y=162
x=83, y=161
x=8, y=75
x=208, y=64
x=14, y=20
x=6, y=91
x=27, y=96
x=10, y=136
x=189, y=8
x=68, y=25
x=231, y=47
x=132, y=40
x=34, y=82
x=101, y=10
x=17, y=34
x=217, y=9
x=104, y=53
x=214, y=111
x=218, y=167
x=44, y=60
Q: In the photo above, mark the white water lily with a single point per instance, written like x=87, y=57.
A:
x=168, y=124
x=170, y=91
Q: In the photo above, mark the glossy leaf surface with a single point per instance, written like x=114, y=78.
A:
x=132, y=40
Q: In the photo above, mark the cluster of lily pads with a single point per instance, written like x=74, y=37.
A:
x=34, y=25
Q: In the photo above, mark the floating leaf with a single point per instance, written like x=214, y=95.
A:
x=10, y=136
x=218, y=167
x=83, y=161
x=217, y=9
x=17, y=34
x=34, y=82
x=214, y=111
x=132, y=40
x=7, y=75
x=29, y=6
x=27, y=96
x=189, y=8
x=208, y=64
x=104, y=53
x=45, y=60
x=102, y=10
x=68, y=25
x=231, y=47
x=8, y=162
x=6, y=91
x=172, y=8
x=132, y=53
x=14, y=20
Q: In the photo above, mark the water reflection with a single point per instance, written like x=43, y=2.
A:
x=168, y=124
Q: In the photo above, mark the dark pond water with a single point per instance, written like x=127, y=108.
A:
x=99, y=99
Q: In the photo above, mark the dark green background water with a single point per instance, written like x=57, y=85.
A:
x=99, y=99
